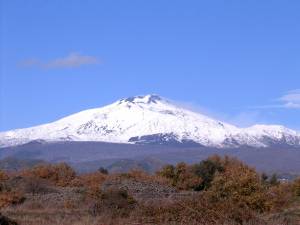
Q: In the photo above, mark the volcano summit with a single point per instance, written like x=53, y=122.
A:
x=151, y=119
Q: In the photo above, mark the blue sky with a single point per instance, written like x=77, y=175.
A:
x=238, y=61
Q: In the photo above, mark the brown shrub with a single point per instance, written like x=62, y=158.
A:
x=93, y=179
x=232, y=193
x=279, y=196
x=10, y=198
x=181, y=176
x=240, y=185
x=35, y=185
x=296, y=187
x=168, y=171
x=141, y=176
x=192, y=210
x=136, y=174
x=59, y=174
x=114, y=202
x=185, y=178
x=3, y=176
x=92, y=182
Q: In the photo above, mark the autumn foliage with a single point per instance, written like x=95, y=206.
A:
x=229, y=186
x=59, y=174
x=296, y=187
x=218, y=190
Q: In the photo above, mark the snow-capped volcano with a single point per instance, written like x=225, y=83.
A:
x=150, y=119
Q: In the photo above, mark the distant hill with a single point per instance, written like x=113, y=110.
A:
x=88, y=156
x=15, y=164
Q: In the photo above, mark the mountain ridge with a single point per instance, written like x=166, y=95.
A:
x=150, y=119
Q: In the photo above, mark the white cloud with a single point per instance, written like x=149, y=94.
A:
x=70, y=61
x=291, y=99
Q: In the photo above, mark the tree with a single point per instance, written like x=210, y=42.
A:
x=264, y=178
x=273, y=180
x=103, y=170
x=239, y=185
x=206, y=169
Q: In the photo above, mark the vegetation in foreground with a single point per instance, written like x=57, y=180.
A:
x=219, y=190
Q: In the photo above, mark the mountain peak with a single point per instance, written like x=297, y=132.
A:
x=145, y=99
x=150, y=119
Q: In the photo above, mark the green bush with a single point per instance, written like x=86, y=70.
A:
x=206, y=169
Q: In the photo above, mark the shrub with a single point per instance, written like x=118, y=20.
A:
x=206, y=169
x=35, y=185
x=231, y=193
x=185, y=178
x=196, y=209
x=10, y=198
x=273, y=180
x=140, y=175
x=279, y=196
x=60, y=174
x=92, y=182
x=167, y=171
x=264, y=178
x=3, y=179
x=3, y=176
x=181, y=176
x=240, y=185
x=103, y=170
x=296, y=187
x=114, y=202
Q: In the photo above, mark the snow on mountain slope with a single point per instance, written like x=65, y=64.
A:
x=150, y=119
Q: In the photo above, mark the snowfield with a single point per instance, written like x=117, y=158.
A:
x=150, y=118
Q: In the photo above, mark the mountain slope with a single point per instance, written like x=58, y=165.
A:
x=151, y=119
